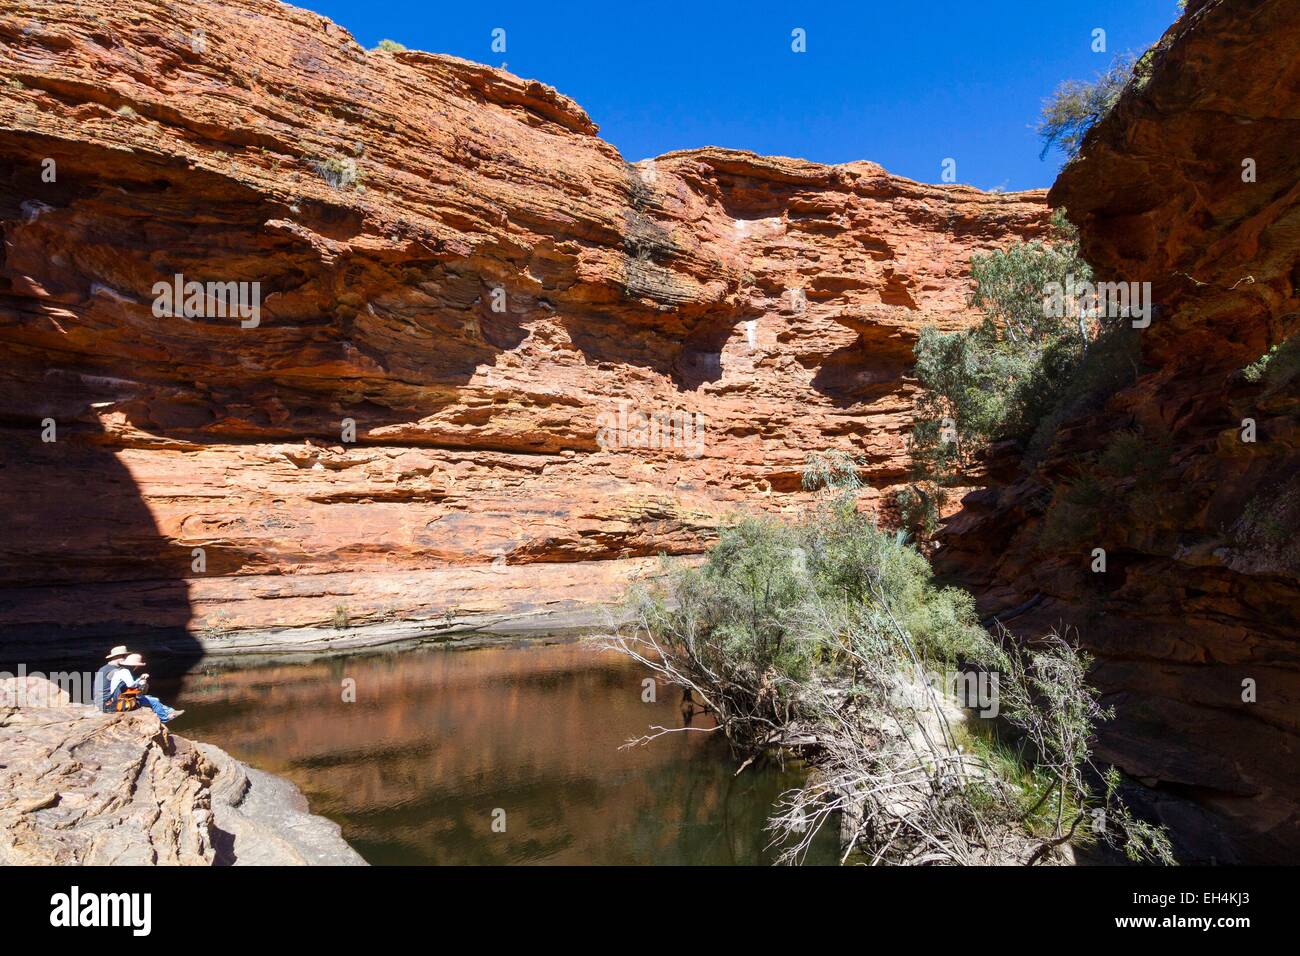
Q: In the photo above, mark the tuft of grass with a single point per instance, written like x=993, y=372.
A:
x=216, y=628
x=389, y=46
x=1136, y=453
x=341, y=172
x=1011, y=766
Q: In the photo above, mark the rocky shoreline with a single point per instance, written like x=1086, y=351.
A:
x=78, y=787
x=185, y=650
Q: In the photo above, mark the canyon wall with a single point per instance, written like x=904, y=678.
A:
x=449, y=258
x=1192, y=183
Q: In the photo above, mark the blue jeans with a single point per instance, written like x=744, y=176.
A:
x=164, y=712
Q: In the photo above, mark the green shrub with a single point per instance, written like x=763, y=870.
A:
x=390, y=46
x=1011, y=283
x=776, y=604
x=1277, y=368
x=919, y=511
x=834, y=471
x=963, y=401
x=1022, y=370
x=809, y=629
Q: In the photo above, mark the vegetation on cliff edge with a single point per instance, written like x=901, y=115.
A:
x=1017, y=375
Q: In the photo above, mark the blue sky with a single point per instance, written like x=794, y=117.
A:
x=904, y=83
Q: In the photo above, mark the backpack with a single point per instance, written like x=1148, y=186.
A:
x=128, y=698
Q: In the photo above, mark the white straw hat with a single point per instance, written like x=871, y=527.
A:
x=119, y=651
x=133, y=660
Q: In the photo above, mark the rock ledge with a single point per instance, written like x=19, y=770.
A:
x=82, y=788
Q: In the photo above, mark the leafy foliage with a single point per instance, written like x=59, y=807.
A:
x=835, y=471
x=773, y=603
x=1045, y=695
x=1018, y=374
x=1010, y=284
x=811, y=628
x=1076, y=106
x=1277, y=368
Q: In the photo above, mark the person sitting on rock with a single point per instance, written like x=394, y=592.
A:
x=123, y=685
x=104, y=675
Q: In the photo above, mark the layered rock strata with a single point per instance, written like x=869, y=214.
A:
x=494, y=368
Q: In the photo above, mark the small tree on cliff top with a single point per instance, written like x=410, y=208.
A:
x=1077, y=106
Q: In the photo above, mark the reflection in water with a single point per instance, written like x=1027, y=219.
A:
x=438, y=740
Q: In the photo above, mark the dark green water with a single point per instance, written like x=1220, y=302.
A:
x=440, y=744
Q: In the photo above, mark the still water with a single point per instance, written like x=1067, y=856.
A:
x=437, y=742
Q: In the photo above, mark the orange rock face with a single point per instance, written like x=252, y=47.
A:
x=1195, y=620
x=556, y=364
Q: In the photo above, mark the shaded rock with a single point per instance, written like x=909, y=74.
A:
x=1195, y=620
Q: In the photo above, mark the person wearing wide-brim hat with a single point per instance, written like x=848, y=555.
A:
x=122, y=679
x=102, y=684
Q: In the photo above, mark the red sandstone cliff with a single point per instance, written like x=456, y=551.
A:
x=381, y=199
x=1200, y=601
